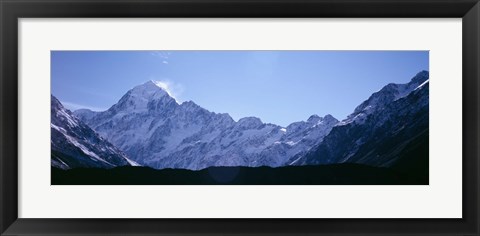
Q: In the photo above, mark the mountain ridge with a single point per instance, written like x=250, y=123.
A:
x=391, y=123
x=162, y=131
x=74, y=144
x=155, y=130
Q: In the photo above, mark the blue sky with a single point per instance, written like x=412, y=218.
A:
x=279, y=87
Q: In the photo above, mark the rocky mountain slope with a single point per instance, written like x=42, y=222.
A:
x=391, y=122
x=74, y=144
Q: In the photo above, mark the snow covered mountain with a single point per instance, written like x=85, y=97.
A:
x=388, y=94
x=154, y=130
x=74, y=144
x=391, y=124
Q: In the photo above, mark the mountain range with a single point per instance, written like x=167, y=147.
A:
x=150, y=128
x=383, y=128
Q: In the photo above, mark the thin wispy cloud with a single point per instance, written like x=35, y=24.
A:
x=164, y=56
x=175, y=90
x=160, y=54
x=75, y=106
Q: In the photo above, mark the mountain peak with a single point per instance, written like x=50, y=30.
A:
x=420, y=77
x=389, y=93
x=330, y=118
x=250, y=122
x=138, y=98
x=314, y=118
x=55, y=102
x=191, y=106
x=151, y=90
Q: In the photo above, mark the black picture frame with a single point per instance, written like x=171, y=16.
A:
x=12, y=10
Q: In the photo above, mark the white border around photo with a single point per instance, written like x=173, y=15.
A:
x=442, y=198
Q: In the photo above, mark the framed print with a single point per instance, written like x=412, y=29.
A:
x=207, y=117
x=163, y=140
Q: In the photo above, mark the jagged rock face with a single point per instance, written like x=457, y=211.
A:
x=74, y=144
x=154, y=130
x=379, y=129
x=386, y=95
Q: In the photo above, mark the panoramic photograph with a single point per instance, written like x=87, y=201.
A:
x=182, y=117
